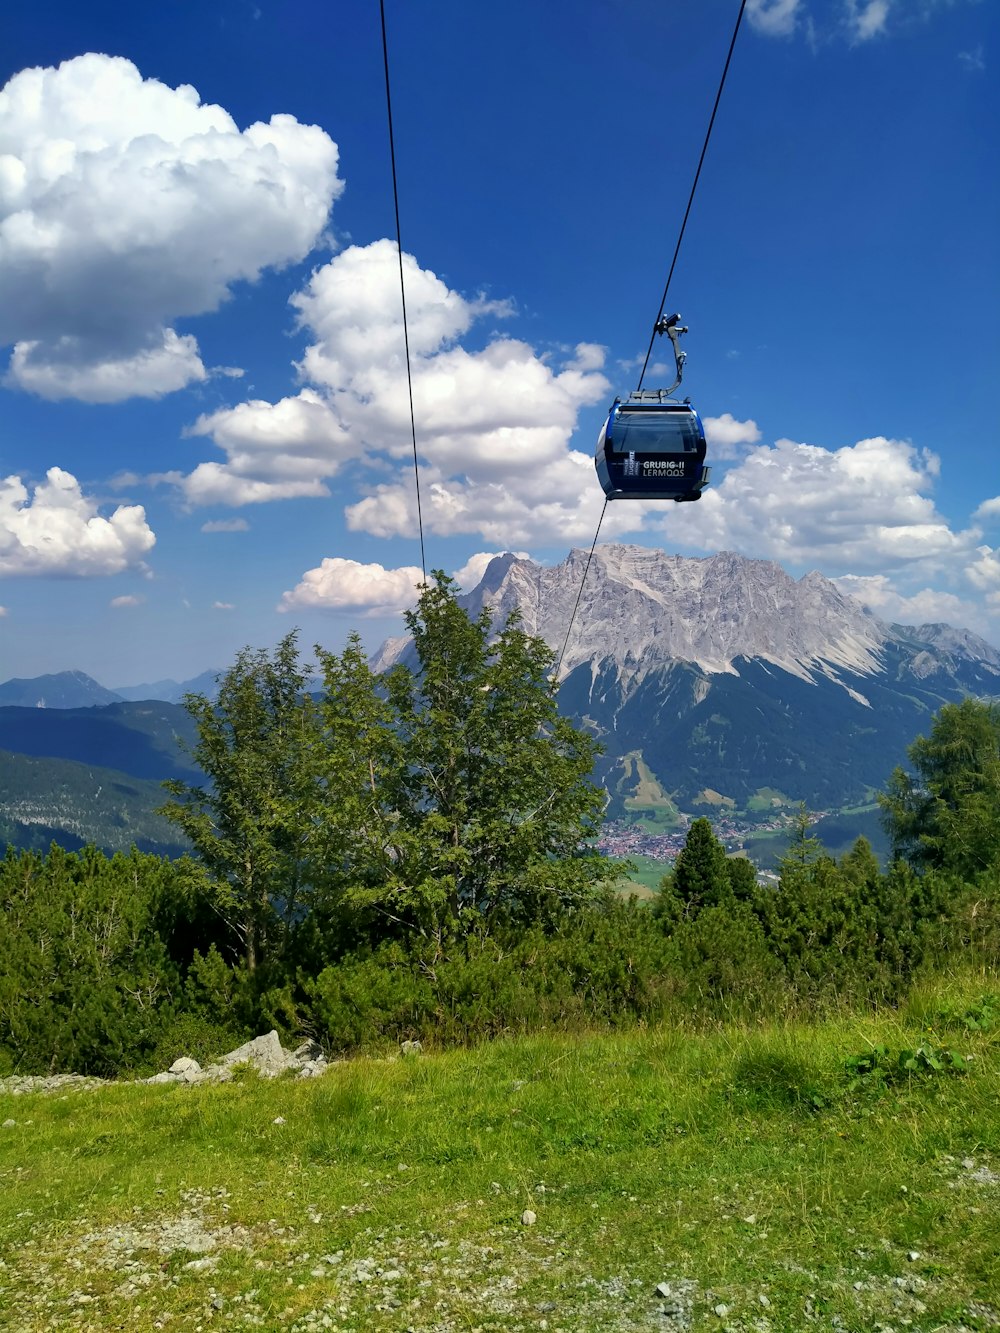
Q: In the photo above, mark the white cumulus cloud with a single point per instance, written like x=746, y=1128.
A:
x=274, y=451
x=347, y=585
x=125, y=205
x=67, y=367
x=724, y=434
x=493, y=424
x=984, y=571
x=774, y=18
x=862, y=508
x=925, y=606
x=58, y=531
x=125, y=602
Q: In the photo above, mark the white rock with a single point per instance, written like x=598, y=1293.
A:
x=185, y=1065
x=265, y=1053
x=528, y=1218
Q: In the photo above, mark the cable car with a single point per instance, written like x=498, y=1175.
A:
x=652, y=447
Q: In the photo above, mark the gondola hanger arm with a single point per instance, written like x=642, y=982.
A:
x=669, y=325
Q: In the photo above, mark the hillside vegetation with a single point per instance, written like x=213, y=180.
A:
x=411, y=856
x=837, y=1175
x=44, y=800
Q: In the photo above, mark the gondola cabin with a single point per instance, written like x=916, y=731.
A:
x=652, y=448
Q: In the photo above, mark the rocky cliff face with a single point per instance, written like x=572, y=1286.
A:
x=644, y=609
x=726, y=673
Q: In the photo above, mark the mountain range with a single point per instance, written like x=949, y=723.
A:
x=724, y=677
x=718, y=684
x=75, y=689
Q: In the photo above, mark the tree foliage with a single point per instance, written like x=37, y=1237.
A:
x=86, y=975
x=493, y=794
x=412, y=855
x=248, y=825
x=946, y=814
x=438, y=799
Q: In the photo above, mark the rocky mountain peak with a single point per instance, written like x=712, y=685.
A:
x=642, y=609
x=952, y=642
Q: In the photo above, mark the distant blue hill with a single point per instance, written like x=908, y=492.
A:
x=144, y=739
x=171, y=691
x=64, y=689
x=75, y=689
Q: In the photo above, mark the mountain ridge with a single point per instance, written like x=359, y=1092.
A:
x=75, y=689
x=708, y=611
x=734, y=683
x=727, y=674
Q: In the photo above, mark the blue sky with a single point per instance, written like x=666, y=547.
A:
x=204, y=427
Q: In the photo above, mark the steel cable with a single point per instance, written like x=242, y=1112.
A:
x=694, y=186
x=402, y=290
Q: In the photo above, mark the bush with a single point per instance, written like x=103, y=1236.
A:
x=193, y=1035
x=600, y=966
x=87, y=983
x=725, y=964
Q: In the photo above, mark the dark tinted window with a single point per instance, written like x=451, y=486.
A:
x=655, y=433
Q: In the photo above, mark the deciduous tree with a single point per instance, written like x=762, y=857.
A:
x=249, y=824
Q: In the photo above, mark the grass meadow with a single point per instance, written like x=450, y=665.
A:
x=740, y=1178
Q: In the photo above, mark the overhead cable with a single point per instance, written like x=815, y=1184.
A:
x=659, y=313
x=694, y=186
x=579, y=594
x=402, y=290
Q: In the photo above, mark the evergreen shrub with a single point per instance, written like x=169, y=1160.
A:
x=602, y=966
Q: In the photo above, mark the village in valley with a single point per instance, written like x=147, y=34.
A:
x=623, y=838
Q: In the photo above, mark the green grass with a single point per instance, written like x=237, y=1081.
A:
x=769, y=798
x=734, y=1165
x=646, y=875
x=647, y=796
x=654, y=819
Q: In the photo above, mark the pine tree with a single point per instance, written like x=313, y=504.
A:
x=701, y=874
